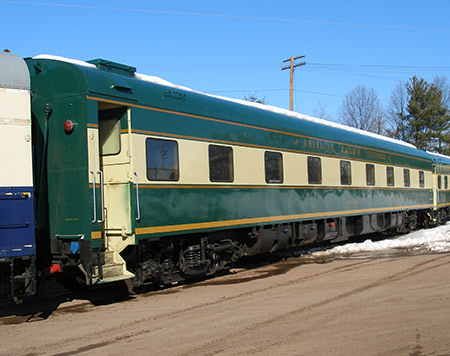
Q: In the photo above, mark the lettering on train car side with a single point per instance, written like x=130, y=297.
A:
x=351, y=151
x=325, y=147
x=377, y=156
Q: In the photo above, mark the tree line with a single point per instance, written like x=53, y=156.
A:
x=418, y=112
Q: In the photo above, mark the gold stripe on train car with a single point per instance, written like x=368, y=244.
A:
x=250, y=221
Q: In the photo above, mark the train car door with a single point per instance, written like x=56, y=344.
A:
x=114, y=192
x=116, y=166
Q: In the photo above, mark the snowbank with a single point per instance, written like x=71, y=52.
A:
x=431, y=240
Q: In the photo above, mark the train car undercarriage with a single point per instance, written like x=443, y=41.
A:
x=178, y=258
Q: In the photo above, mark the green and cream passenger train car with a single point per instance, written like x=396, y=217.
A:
x=441, y=188
x=143, y=180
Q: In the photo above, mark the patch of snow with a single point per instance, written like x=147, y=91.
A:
x=160, y=81
x=438, y=155
x=432, y=240
x=67, y=60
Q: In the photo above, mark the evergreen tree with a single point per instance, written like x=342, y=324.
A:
x=427, y=118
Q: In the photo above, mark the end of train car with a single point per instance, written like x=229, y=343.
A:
x=17, y=224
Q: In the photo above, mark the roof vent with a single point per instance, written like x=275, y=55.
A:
x=117, y=68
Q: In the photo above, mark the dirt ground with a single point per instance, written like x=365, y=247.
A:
x=365, y=306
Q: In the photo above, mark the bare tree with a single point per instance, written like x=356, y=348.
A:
x=361, y=109
x=255, y=99
x=397, y=113
x=442, y=83
x=321, y=112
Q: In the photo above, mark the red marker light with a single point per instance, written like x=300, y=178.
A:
x=56, y=268
x=332, y=224
x=68, y=126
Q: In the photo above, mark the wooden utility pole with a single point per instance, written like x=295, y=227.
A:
x=291, y=66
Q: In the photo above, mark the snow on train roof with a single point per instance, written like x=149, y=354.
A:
x=274, y=109
x=64, y=59
x=439, y=157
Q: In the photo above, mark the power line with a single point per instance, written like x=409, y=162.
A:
x=280, y=89
x=236, y=17
x=341, y=67
x=380, y=66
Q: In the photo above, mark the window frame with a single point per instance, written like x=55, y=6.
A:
x=312, y=164
x=406, y=177
x=345, y=172
x=390, y=183
x=421, y=179
x=371, y=167
x=175, y=158
x=228, y=158
x=280, y=176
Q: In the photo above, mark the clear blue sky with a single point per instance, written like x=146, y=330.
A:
x=236, y=48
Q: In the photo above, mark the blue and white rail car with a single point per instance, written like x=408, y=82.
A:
x=17, y=228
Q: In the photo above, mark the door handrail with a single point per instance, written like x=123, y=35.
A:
x=102, y=198
x=93, y=199
x=138, y=209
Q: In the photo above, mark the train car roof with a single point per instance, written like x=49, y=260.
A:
x=438, y=158
x=121, y=81
x=14, y=72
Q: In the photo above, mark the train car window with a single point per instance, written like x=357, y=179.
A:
x=390, y=176
x=162, y=160
x=314, y=170
x=273, y=162
x=109, y=130
x=109, y=136
x=220, y=163
x=421, y=179
x=439, y=182
x=406, y=178
x=346, y=173
x=370, y=174
x=446, y=182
